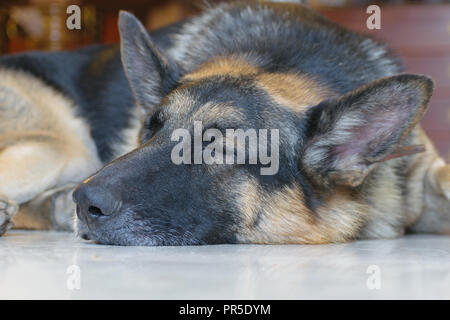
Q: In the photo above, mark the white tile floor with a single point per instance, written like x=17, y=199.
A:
x=34, y=265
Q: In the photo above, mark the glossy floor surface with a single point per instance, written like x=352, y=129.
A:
x=49, y=265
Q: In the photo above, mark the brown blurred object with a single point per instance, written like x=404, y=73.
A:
x=420, y=35
x=153, y=13
x=41, y=24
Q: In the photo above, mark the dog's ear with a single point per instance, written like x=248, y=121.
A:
x=348, y=137
x=151, y=74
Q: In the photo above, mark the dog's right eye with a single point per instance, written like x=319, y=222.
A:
x=151, y=126
x=155, y=122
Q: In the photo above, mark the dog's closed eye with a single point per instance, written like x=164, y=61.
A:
x=152, y=126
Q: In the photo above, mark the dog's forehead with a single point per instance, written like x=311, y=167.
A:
x=214, y=99
x=236, y=93
x=187, y=106
x=294, y=91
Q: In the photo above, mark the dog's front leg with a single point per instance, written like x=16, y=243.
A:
x=28, y=167
x=54, y=209
x=441, y=177
x=435, y=216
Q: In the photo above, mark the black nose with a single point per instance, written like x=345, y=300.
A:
x=93, y=201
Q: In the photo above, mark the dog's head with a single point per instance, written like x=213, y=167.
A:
x=289, y=175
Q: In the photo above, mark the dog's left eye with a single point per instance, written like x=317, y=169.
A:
x=151, y=126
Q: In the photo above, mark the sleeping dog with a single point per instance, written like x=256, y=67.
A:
x=352, y=161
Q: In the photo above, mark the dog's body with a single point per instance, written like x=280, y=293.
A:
x=347, y=169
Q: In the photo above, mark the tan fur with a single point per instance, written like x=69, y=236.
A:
x=290, y=90
x=434, y=192
x=231, y=66
x=417, y=172
x=30, y=167
x=439, y=177
x=296, y=92
x=212, y=112
x=249, y=202
x=182, y=104
x=442, y=175
x=34, y=215
x=393, y=211
x=385, y=213
x=52, y=209
x=43, y=144
x=282, y=217
x=377, y=210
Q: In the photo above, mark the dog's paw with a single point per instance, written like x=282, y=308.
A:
x=443, y=177
x=62, y=209
x=8, y=209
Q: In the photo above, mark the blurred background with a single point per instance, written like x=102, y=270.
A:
x=418, y=31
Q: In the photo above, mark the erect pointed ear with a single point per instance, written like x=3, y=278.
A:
x=151, y=74
x=348, y=137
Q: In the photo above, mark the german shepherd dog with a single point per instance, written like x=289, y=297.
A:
x=353, y=160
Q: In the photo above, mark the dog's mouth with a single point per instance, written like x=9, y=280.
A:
x=122, y=234
x=84, y=236
x=84, y=232
x=81, y=228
